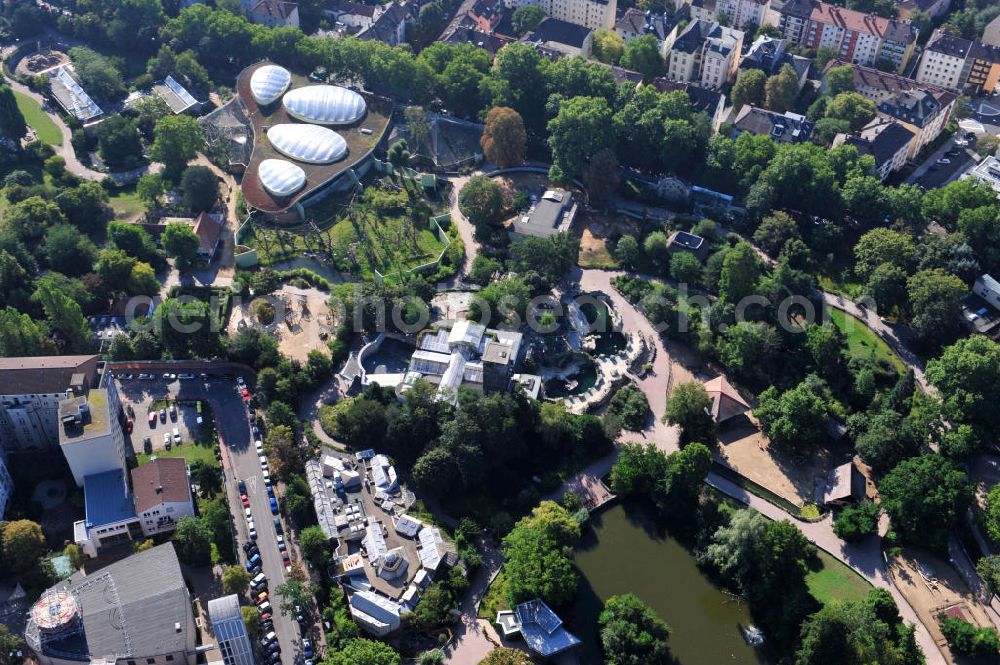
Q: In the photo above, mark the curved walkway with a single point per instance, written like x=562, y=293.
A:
x=74, y=165
x=865, y=558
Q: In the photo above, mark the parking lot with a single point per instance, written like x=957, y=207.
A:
x=937, y=175
x=166, y=417
x=239, y=462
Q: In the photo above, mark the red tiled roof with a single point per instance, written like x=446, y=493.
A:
x=869, y=24
x=726, y=401
x=160, y=481
x=208, y=230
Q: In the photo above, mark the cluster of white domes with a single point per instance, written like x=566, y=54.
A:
x=325, y=105
x=280, y=177
x=308, y=143
x=269, y=83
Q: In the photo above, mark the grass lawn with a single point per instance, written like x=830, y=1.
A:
x=189, y=451
x=39, y=120
x=862, y=341
x=126, y=204
x=495, y=599
x=835, y=581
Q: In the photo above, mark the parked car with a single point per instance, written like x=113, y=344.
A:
x=252, y=532
x=152, y=418
x=281, y=543
x=245, y=500
x=240, y=381
x=166, y=440
x=259, y=582
x=307, y=649
x=270, y=638
x=274, y=505
x=249, y=546
x=243, y=486
x=163, y=415
x=943, y=161
x=185, y=376
x=253, y=561
x=177, y=435
x=267, y=475
x=173, y=412
x=277, y=526
x=263, y=461
x=147, y=445
x=249, y=515
x=259, y=445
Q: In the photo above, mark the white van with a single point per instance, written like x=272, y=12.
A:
x=177, y=435
x=259, y=582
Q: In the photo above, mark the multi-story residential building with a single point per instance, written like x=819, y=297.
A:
x=790, y=17
x=162, y=491
x=134, y=611
x=984, y=74
x=90, y=432
x=921, y=108
x=592, y=14
x=30, y=391
x=768, y=54
x=555, y=39
x=704, y=10
x=703, y=52
x=785, y=127
x=739, y=13
x=230, y=631
x=6, y=487
x=274, y=13
x=863, y=39
x=885, y=140
x=631, y=25
x=946, y=61
x=956, y=63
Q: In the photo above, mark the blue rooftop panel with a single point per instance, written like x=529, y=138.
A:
x=107, y=498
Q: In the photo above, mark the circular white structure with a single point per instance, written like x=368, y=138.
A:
x=280, y=177
x=55, y=612
x=269, y=83
x=325, y=105
x=308, y=143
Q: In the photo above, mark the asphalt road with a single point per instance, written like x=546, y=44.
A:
x=240, y=461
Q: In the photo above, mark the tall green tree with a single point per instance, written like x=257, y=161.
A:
x=578, y=132
x=749, y=88
x=924, y=497
x=689, y=407
x=12, y=123
x=781, y=90
x=181, y=243
x=178, y=138
x=643, y=55
x=632, y=633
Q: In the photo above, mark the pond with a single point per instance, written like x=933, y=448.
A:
x=608, y=342
x=324, y=270
x=391, y=357
x=576, y=384
x=625, y=552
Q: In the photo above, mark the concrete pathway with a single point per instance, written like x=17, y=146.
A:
x=74, y=165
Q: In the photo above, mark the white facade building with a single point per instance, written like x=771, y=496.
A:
x=592, y=14
x=741, y=12
x=90, y=434
x=162, y=490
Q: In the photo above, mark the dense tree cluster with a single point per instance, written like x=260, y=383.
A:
x=538, y=552
x=485, y=447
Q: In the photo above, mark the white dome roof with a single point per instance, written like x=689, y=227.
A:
x=268, y=83
x=280, y=177
x=325, y=104
x=308, y=143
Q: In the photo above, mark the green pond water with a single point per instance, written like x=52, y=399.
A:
x=625, y=552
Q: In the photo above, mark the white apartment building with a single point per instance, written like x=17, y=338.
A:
x=30, y=391
x=741, y=12
x=592, y=14
x=790, y=17
x=704, y=53
x=162, y=491
x=946, y=61
x=90, y=434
